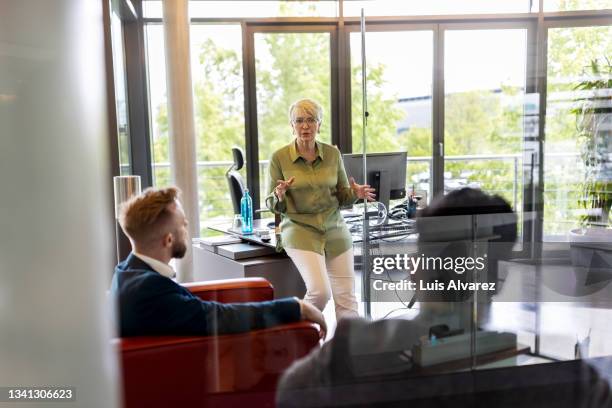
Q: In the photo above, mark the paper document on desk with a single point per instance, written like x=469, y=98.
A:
x=211, y=243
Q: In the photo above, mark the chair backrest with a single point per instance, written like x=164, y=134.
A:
x=235, y=181
x=238, y=155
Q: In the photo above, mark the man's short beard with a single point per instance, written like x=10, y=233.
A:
x=178, y=250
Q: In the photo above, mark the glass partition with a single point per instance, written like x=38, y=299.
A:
x=441, y=277
x=578, y=191
x=483, y=305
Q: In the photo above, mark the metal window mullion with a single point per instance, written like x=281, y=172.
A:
x=250, y=115
x=437, y=167
x=345, y=142
x=138, y=97
x=334, y=64
x=531, y=87
x=113, y=133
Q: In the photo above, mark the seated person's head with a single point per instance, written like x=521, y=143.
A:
x=466, y=223
x=155, y=223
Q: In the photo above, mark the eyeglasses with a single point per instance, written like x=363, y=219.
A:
x=301, y=121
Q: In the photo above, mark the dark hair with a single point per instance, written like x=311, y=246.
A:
x=466, y=201
x=446, y=229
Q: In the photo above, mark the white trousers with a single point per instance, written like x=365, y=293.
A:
x=323, y=275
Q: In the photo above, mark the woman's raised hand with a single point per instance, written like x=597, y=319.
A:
x=281, y=187
x=362, y=190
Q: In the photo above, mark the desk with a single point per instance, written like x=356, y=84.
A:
x=392, y=238
x=246, y=260
x=226, y=228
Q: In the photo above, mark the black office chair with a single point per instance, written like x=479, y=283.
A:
x=234, y=178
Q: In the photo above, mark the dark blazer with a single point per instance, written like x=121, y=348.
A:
x=152, y=304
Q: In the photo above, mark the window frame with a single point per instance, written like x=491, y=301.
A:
x=250, y=92
x=536, y=23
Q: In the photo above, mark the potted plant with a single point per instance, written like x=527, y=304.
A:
x=593, y=110
x=591, y=245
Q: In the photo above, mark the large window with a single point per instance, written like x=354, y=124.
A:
x=399, y=89
x=459, y=86
x=216, y=62
x=288, y=67
x=121, y=99
x=433, y=7
x=251, y=8
x=484, y=93
x=479, y=119
x=158, y=104
x=571, y=5
x=578, y=67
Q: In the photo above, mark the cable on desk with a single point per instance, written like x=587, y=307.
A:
x=385, y=232
x=406, y=306
x=392, y=311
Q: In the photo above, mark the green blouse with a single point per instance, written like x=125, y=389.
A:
x=311, y=218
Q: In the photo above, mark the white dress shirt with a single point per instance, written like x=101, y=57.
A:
x=158, y=266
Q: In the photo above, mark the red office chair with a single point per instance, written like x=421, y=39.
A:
x=206, y=371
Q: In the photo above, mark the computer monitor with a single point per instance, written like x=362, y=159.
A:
x=386, y=173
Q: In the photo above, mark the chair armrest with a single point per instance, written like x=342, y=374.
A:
x=141, y=343
x=233, y=290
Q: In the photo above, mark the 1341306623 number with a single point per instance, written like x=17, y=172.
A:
x=40, y=393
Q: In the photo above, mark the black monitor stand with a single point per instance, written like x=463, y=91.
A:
x=380, y=181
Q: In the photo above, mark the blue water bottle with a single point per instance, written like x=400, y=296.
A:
x=246, y=212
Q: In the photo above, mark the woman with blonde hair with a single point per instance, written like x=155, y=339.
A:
x=308, y=186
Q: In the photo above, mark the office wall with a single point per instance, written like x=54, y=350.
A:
x=55, y=241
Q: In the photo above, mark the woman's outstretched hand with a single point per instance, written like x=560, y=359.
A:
x=362, y=190
x=281, y=188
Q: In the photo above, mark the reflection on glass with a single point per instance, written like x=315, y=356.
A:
x=288, y=67
x=577, y=168
x=414, y=8
x=123, y=128
x=399, y=98
x=483, y=110
x=216, y=53
x=563, y=324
